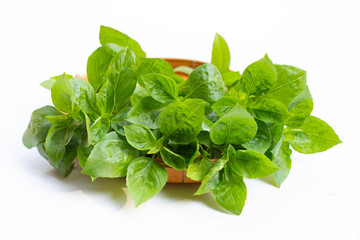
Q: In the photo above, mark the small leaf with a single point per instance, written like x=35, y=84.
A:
x=62, y=95
x=184, y=69
x=225, y=104
x=262, y=140
x=199, y=168
x=269, y=110
x=172, y=159
x=283, y=161
x=98, y=130
x=153, y=65
x=231, y=78
x=300, y=108
x=145, y=179
x=105, y=100
x=119, y=121
x=220, y=54
x=140, y=137
x=161, y=87
x=83, y=96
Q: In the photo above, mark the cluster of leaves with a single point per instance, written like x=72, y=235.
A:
x=134, y=110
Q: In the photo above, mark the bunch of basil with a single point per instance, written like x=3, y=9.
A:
x=134, y=110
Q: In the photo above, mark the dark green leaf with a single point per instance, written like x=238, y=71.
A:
x=204, y=138
x=262, y=140
x=118, y=121
x=145, y=179
x=161, y=87
x=220, y=54
x=313, y=136
x=83, y=154
x=172, y=159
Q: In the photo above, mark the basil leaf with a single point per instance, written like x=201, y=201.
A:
x=262, y=140
x=313, y=136
x=204, y=138
x=38, y=126
x=62, y=94
x=83, y=95
x=83, y=153
x=300, y=108
x=172, y=159
x=182, y=121
x=145, y=179
x=97, y=65
x=105, y=100
x=99, y=128
x=56, y=140
x=212, y=178
x=230, y=193
x=269, y=110
x=235, y=127
x=230, y=78
x=122, y=75
x=251, y=164
x=110, y=35
x=183, y=69
x=161, y=87
x=283, y=161
x=50, y=82
x=145, y=112
x=199, y=168
x=154, y=65
x=277, y=133
x=110, y=157
x=220, y=54
x=138, y=94
x=259, y=77
x=140, y=137
x=118, y=121
x=205, y=83
x=290, y=82
x=225, y=104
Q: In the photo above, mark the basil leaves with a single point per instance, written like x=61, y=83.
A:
x=219, y=126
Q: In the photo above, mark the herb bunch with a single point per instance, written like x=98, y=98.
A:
x=219, y=125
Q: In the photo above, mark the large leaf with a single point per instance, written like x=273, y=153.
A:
x=300, y=108
x=122, y=75
x=259, y=77
x=251, y=164
x=145, y=179
x=145, y=112
x=290, y=82
x=231, y=193
x=97, y=65
x=269, y=110
x=235, y=127
x=110, y=157
x=161, y=87
x=182, y=121
x=262, y=140
x=283, y=161
x=313, y=136
x=140, y=137
x=205, y=82
x=98, y=129
x=39, y=126
x=225, y=104
x=62, y=95
x=220, y=54
x=83, y=95
x=199, y=168
x=110, y=35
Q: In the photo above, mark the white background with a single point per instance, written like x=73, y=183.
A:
x=319, y=200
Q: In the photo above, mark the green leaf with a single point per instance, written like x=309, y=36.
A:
x=145, y=179
x=99, y=128
x=172, y=159
x=97, y=65
x=110, y=157
x=259, y=77
x=225, y=104
x=105, y=100
x=179, y=156
x=277, y=133
x=262, y=140
x=300, y=108
x=230, y=193
x=269, y=110
x=62, y=94
x=56, y=140
x=251, y=164
x=83, y=95
x=110, y=35
x=182, y=121
x=138, y=94
x=313, y=136
x=220, y=54
x=118, y=121
x=145, y=112
x=38, y=126
x=161, y=87
x=212, y=178
x=204, y=138
x=283, y=161
x=50, y=82
x=83, y=153
x=235, y=127
x=205, y=83
x=153, y=65
x=199, y=168
x=140, y=137
x=122, y=75
x=184, y=69
x=230, y=78
x=290, y=82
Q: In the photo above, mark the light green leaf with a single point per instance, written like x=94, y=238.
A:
x=110, y=157
x=225, y=104
x=62, y=95
x=277, y=133
x=99, y=128
x=262, y=140
x=230, y=78
x=259, y=77
x=269, y=110
x=199, y=168
x=138, y=94
x=182, y=121
x=83, y=154
x=140, y=137
x=184, y=69
x=50, y=82
x=205, y=83
x=83, y=96
x=145, y=179
x=153, y=65
x=220, y=54
x=251, y=164
x=235, y=127
x=161, y=87
x=290, y=82
x=105, y=100
x=313, y=136
x=172, y=159
x=300, y=108
x=283, y=161
x=178, y=156
x=119, y=121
